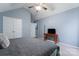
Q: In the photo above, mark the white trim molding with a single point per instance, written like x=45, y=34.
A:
x=65, y=44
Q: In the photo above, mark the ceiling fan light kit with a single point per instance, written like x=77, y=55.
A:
x=38, y=8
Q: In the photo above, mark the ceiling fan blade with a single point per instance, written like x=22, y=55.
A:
x=44, y=8
x=30, y=6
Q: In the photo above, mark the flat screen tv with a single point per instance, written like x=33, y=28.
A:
x=52, y=31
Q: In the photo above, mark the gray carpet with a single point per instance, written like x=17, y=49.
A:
x=29, y=47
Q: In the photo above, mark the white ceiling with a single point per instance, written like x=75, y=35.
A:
x=53, y=8
x=9, y=6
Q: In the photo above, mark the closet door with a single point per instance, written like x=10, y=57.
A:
x=12, y=27
x=8, y=29
x=18, y=28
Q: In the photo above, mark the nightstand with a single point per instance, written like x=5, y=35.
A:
x=53, y=36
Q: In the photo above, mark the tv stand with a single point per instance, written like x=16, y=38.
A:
x=55, y=36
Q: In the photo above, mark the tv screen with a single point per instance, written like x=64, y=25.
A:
x=52, y=31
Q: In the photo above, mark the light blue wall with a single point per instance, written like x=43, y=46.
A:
x=18, y=13
x=1, y=23
x=66, y=24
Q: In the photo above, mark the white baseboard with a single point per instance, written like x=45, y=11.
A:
x=69, y=45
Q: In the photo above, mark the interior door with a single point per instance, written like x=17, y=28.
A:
x=18, y=28
x=8, y=29
x=12, y=27
x=33, y=30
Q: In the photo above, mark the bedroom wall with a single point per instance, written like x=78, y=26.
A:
x=1, y=23
x=18, y=13
x=66, y=24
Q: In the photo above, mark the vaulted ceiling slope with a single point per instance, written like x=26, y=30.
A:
x=52, y=8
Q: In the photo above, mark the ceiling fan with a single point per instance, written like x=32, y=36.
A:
x=39, y=7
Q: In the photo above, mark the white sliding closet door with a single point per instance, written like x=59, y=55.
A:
x=12, y=27
x=18, y=28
